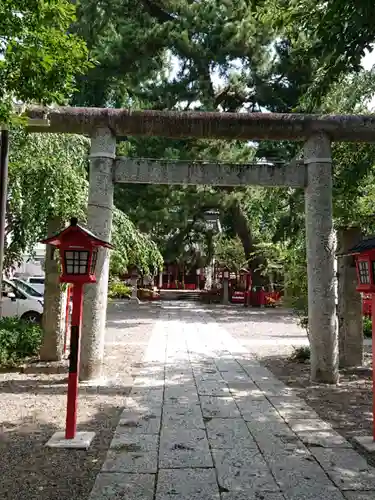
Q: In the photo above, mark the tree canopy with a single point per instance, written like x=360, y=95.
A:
x=39, y=58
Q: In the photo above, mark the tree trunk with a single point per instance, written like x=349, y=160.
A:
x=53, y=314
x=243, y=231
x=349, y=310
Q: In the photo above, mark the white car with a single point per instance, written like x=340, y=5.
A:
x=15, y=303
x=36, y=282
x=28, y=290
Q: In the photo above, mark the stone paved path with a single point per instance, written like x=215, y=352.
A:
x=205, y=421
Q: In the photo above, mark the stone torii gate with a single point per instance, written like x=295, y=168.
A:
x=314, y=175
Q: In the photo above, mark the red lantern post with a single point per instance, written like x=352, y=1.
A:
x=364, y=254
x=78, y=253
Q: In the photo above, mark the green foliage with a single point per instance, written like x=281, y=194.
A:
x=47, y=179
x=332, y=35
x=18, y=340
x=229, y=253
x=132, y=248
x=118, y=290
x=367, y=327
x=300, y=354
x=39, y=58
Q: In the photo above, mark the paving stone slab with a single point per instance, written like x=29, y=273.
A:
x=273, y=447
x=187, y=484
x=300, y=476
x=260, y=410
x=228, y=365
x=213, y=388
x=325, y=439
x=116, y=486
x=139, y=424
x=292, y=408
x=150, y=382
x=309, y=425
x=307, y=491
x=359, y=495
x=134, y=442
x=243, y=469
x=137, y=461
x=229, y=434
x=173, y=421
x=252, y=495
x=184, y=449
x=249, y=393
x=347, y=469
x=205, y=375
x=219, y=406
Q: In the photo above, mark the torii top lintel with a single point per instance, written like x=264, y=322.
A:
x=174, y=124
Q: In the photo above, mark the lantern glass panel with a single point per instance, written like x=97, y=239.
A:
x=363, y=272
x=76, y=262
x=93, y=261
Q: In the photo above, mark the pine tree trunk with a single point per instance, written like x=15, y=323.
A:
x=53, y=314
x=349, y=310
x=243, y=231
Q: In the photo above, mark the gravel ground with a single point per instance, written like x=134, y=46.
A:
x=34, y=408
x=272, y=334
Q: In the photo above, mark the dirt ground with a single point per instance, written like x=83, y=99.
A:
x=33, y=408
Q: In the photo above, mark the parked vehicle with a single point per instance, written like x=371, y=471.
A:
x=29, y=290
x=36, y=282
x=15, y=303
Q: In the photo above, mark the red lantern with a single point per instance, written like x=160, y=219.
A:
x=78, y=254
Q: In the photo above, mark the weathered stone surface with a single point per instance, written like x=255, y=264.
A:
x=53, y=319
x=309, y=425
x=291, y=408
x=347, y=469
x=99, y=221
x=113, y=486
x=238, y=126
x=252, y=495
x=320, y=248
x=131, y=461
x=187, y=421
x=326, y=439
x=261, y=410
x=243, y=469
x=359, y=495
x=134, y=442
x=221, y=407
x=229, y=434
x=135, y=424
x=213, y=388
x=156, y=172
x=349, y=307
x=187, y=484
x=306, y=491
x=184, y=449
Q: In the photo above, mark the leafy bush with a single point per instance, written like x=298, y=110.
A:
x=18, y=340
x=118, y=290
x=367, y=327
x=300, y=354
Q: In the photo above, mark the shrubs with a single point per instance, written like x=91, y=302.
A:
x=367, y=327
x=118, y=290
x=300, y=354
x=18, y=340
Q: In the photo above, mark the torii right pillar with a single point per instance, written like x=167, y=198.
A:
x=320, y=250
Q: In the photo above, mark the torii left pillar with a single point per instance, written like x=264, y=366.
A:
x=99, y=221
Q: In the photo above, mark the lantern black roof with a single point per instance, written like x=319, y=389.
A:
x=365, y=245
